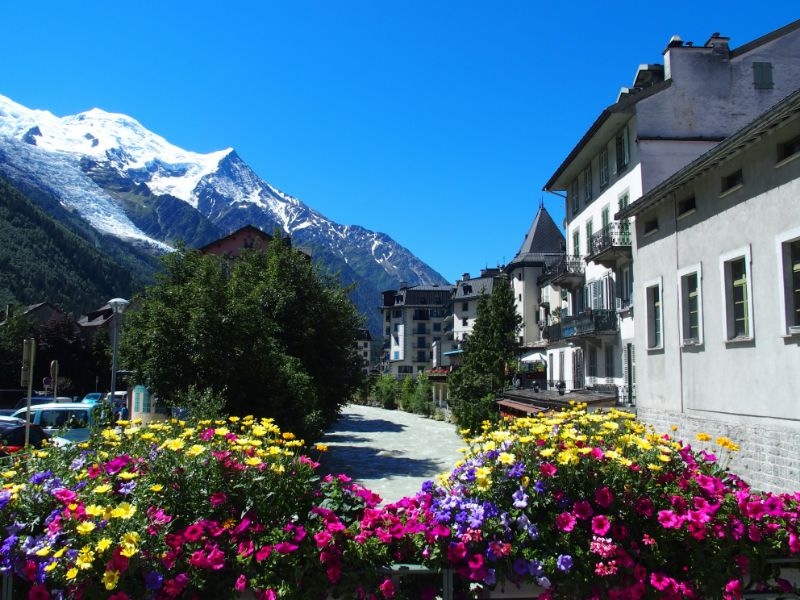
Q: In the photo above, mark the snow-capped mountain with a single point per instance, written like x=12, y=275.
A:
x=131, y=183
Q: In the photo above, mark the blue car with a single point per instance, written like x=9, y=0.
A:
x=92, y=397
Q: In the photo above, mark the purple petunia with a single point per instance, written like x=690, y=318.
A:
x=564, y=562
x=517, y=470
x=520, y=498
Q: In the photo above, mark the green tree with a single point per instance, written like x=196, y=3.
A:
x=12, y=331
x=422, y=399
x=268, y=331
x=386, y=391
x=488, y=352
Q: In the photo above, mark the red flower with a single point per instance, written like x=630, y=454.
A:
x=387, y=589
x=604, y=497
x=193, y=532
x=38, y=592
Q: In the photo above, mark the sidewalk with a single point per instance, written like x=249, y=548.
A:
x=390, y=452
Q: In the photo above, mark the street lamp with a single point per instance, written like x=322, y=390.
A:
x=118, y=306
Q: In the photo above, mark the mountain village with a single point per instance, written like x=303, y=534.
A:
x=676, y=289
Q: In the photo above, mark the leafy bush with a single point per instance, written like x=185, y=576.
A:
x=386, y=391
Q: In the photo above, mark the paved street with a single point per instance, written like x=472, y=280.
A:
x=390, y=452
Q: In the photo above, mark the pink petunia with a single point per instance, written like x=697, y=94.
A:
x=565, y=522
x=547, y=469
x=582, y=510
x=600, y=525
x=603, y=497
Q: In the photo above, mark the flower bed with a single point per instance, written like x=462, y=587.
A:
x=578, y=505
x=597, y=506
x=169, y=510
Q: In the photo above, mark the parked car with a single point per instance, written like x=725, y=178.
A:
x=71, y=420
x=12, y=436
x=92, y=397
x=36, y=400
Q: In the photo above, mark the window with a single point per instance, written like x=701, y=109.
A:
x=606, y=216
x=789, y=269
x=388, y=316
x=591, y=366
x=603, y=162
x=762, y=75
x=788, y=150
x=421, y=342
x=627, y=285
x=654, y=315
x=589, y=226
x=396, y=314
x=731, y=183
x=395, y=355
x=737, y=295
x=587, y=185
x=465, y=306
x=686, y=206
x=573, y=196
x=624, y=199
x=437, y=326
x=388, y=330
x=576, y=242
x=650, y=226
x=421, y=356
x=609, y=362
x=405, y=369
x=691, y=305
x=465, y=322
x=623, y=150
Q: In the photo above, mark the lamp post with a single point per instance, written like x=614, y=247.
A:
x=118, y=306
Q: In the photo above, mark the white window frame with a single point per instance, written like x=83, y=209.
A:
x=782, y=241
x=727, y=306
x=650, y=316
x=683, y=313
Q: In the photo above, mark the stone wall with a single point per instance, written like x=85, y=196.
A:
x=768, y=459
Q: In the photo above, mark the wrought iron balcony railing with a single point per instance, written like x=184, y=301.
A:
x=567, y=269
x=613, y=235
x=589, y=322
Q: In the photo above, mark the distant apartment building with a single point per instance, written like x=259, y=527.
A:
x=364, y=350
x=466, y=295
x=717, y=323
x=414, y=317
x=673, y=113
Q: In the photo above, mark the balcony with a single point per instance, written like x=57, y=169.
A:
x=566, y=273
x=611, y=245
x=590, y=323
x=552, y=333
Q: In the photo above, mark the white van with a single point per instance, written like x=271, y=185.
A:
x=71, y=420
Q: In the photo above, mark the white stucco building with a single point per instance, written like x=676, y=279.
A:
x=672, y=114
x=466, y=295
x=717, y=265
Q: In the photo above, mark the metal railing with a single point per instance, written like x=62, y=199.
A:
x=613, y=234
x=568, y=265
x=591, y=321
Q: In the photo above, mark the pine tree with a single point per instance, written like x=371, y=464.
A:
x=488, y=353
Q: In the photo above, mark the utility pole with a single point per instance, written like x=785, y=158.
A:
x=26, y=379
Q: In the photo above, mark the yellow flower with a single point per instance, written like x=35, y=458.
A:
x=174, y=444
x=674, y=428
x=252, y=461
x=233, y=419
x=102, y=489
x=110, y=579
x=654, y=467
x=103, y=544
x=72, y=573
x=222, y=431
x=50, y=567
x=258, y=431
x=43, y=551
x=86, y=527
x=124, y=511
x=9, y=474
x=84, y=560
x=547, y=452
x=195, y=450
x=703, y=437
x=156, y=487
x=321, y=447
x=505, y=458
x=127, y=476
x=148, y=436
x=59, y=553
x=288, y=435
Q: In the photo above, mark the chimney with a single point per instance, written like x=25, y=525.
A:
x=719, y=43
x=465, y=277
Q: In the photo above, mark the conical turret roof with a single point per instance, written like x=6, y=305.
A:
x=543, y=242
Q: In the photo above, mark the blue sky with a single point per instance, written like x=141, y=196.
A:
x=435, y=122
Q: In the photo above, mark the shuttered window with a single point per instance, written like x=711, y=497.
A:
x=762, y=76
x=795, y=264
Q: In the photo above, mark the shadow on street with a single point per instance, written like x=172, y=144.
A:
x=370, y=463
x=350, y=422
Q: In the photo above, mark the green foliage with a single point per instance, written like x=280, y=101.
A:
x=488, y=353
x=422, y=399
x=41, y=259
x=386, y=391
x=407, y=388
x=203, y=404
x=269, y=332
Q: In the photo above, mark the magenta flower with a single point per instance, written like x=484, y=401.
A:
x=603, y=497
x=582, y=509
x=285, y=547
x=600, y=525
x=565, y=522
x=547, y=469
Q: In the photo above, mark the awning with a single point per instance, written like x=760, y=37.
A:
x=452, y=352
x=521, y=406
x=534, y=357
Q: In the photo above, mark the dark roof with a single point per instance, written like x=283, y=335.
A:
x=543, y=241
x=624, y=106
x=788, y=108
x=472, y=288
x=764, y=39
x=246, y=229
x=364, y=335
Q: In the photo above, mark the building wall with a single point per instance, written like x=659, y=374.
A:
x=746, y=390
x=523, y=280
